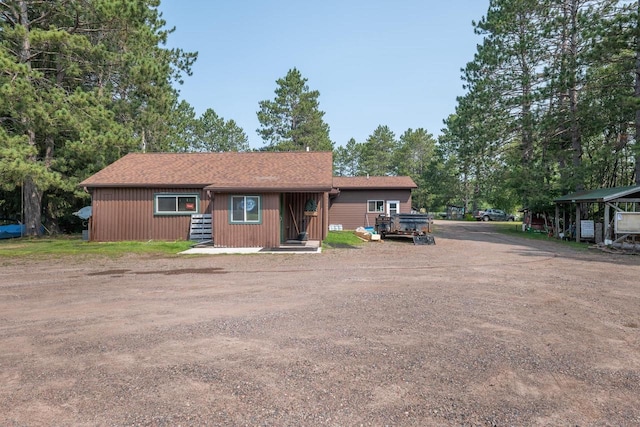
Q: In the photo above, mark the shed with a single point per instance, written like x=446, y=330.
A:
x=623, y=202
x=254, y=199
x=357, y=201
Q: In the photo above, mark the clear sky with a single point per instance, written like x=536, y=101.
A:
x=375, y=62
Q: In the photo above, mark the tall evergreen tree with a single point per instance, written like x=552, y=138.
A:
x=346, y=160
x=83, y=82
x=550, y=100
x=377, y=153
x=293, y=120
x=415, y=157
x=214, y=133
x=513, y=52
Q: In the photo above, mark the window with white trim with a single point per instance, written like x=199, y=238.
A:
x=245, y=210
x=176, y=204
x=376, y=206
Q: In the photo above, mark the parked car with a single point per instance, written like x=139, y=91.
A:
x=493, y=215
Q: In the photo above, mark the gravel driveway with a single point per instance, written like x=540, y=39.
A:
x=482, y=329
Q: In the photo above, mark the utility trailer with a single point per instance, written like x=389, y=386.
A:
x=411, y=225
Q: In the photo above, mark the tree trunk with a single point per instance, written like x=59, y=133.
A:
x=637, y=97
x=32, y=199
x=32, y=196
x=576, y=140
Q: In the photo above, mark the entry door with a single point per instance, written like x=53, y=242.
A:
x=393, y=207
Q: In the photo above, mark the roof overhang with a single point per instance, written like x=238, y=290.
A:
x=375, y=187
x=142, y=185
x=214, y=187
x=259, y=189
x=601, y=195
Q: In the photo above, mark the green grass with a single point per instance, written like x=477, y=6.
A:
x=48, y=247
x=515, y=229
x=69, y=246
x=341, y=239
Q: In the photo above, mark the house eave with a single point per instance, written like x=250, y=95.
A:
x=258, y=189
x=391, y=187
x=140, y=185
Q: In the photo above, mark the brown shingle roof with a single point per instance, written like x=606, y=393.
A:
x=308, y=171
x=373, y=182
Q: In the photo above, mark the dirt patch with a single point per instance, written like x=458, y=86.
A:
x=165, y=272
x=480, y=329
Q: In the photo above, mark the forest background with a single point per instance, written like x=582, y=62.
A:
x=551, y=106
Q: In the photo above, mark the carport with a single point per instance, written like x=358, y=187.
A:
x=599, y=213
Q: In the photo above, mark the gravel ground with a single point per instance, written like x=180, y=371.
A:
x=481, y=329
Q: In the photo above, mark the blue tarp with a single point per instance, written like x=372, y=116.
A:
x=12, y=230
x=84, y=213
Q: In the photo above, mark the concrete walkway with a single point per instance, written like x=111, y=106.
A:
x=307, y=247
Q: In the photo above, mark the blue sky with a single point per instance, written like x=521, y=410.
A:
x=374, y=62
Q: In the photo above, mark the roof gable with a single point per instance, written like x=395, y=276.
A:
x=373, y=182
x=309, y=171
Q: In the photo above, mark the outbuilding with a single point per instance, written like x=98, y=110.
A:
x=358, y=201
x=604, y=215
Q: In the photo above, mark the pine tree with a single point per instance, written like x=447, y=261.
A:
x=83, y=82
x=214, y=133
x=293, y=120
x=377, y=153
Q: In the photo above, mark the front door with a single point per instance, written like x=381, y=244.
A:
x=393, y=207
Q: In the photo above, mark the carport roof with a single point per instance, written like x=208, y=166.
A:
x=600, y=195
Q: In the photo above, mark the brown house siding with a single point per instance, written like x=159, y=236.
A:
x=293, y=208
x=265, y=234
x=268, y=232
x=349, y=208
x=127, y=214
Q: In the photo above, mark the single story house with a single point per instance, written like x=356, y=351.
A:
x=357, y=201
x=254, y=199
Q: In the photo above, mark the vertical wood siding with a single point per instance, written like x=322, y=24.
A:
x=295, y=221
x=127, y=214
x=349, y=208
x=265, y=234
x=277, y=221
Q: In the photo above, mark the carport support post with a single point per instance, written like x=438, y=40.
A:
x=606, y=222
x=577, y=222
x=556, y=233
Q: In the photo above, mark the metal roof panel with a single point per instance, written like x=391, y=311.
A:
x=599, y=195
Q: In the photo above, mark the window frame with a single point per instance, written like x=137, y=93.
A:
x=177, y=196
x=376, y=201
x=388, y=204
x=232, y=220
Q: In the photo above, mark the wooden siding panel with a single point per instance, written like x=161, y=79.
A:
x=265, y=234
x=127, y=214
x=295, y=221
x=349, y=208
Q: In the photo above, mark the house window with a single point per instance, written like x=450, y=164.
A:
x=176, y=204
x=245, y=209
x=375, y=206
